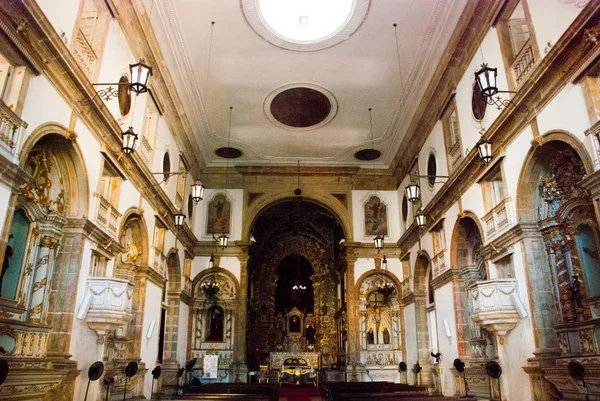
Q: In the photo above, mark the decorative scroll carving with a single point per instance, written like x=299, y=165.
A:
x=38, y=190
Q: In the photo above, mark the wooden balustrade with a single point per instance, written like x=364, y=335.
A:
x=497, y=220
x=106, y=215
x=523, y=63
x=11, y=127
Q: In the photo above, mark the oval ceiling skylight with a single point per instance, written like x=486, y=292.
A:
x=305, y=25
x=305, y=20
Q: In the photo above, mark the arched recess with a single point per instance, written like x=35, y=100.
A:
x=381, y=330
x=169, y=330
x=533, y=168
x=422, y=280
x=550, y=202
x=467, y=241
x=57, y=192
x=68, y=159
x=267, y=201
x=133, y=235
x=202, y=334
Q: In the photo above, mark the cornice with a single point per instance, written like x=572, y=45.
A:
x=567, y=57
x=152, y=275
x=408, y=298
x=12, y=175
x=591, y=183
x=445, y=278
x=56, y=63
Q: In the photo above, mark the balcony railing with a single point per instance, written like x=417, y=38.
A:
x=523, y=63
x=84, y=54
x=439, y=264
x=106, y=215
x=497, y=220
x=145, y=151
x=159, y=261
x=494, y=304
x=11, y=127
x=109, y=301
x=455, y=153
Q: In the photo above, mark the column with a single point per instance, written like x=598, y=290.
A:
x=240, y=324
x=43, y=265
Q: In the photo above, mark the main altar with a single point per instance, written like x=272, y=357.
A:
x=296, y=368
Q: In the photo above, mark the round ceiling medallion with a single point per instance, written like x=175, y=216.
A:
x=367, y=154
x=228, y=152
x=300, y=106
x=305, y=25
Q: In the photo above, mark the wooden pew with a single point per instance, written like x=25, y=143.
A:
x=394, y=397
x=267, y=391
x=334, y=390
x=228, y=397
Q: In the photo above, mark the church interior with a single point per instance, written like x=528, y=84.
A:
x=300, y=200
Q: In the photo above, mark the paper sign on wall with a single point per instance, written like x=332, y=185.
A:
x=211, y=366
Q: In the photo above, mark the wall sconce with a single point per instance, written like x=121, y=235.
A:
x=421, y=219
x=223, y=240
x=486, y=78
x=197, y=191
x=378, y=242
x=179, y=219
x=484, y=149
x=140, y=74
x=413, y=190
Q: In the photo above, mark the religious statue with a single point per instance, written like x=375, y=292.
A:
x=310, y=334
x=576, y=291
x=215, y=326
x=370, y=337
x=294, y=324
x=5, y=264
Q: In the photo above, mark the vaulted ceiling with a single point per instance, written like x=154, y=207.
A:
x=247, y=72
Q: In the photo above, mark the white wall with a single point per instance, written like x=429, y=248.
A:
x=410, y=335
x=444, y=308
x=149, y=349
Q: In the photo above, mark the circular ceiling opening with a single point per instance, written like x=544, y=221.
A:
x=305, y=25
x=367, y=154
x=305, y=20
x=228, y=152
x=300, y=106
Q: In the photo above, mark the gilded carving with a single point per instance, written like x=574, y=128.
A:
x=38, y=189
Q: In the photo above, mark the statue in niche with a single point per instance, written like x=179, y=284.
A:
x=375, y=213
x=386, y=336
x=294, y=324
x=6, y=263
x=219, y=215
x=576, y=291
x=310, y=333
x=215, y=324
x=370, y=337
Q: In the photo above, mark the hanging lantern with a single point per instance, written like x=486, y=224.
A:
x=486, y=78
x=179, y=218
x=211, y=262
x=140, y=74
x=384, y=265
x=413, y=192
x=378, y=242
x=197, y=191
x=223, y=240
x=484, y=148
x=421, y=219
x=129, y=137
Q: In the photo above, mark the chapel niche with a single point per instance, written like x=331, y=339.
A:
x=296, y=245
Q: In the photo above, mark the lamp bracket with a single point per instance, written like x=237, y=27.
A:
x=500, y=103
x=168, y=174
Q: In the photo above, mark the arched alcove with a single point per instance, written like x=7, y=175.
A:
x=297, y=230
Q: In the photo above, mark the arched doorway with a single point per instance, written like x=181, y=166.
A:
x=296, y=246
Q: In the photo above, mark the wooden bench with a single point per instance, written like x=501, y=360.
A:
x=393, y=397
x=335, y=390
x=229, y=397
x=263, y=391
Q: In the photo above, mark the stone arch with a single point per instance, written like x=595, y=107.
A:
x=137, y=214
x=219, y=271
x=173, y=270
x=421, y=272
x=467, y=237
x=534, y=164
x=69, y=161
x=266, y=201
x=380, y=318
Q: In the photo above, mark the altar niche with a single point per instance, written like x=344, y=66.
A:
x=380, y=326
